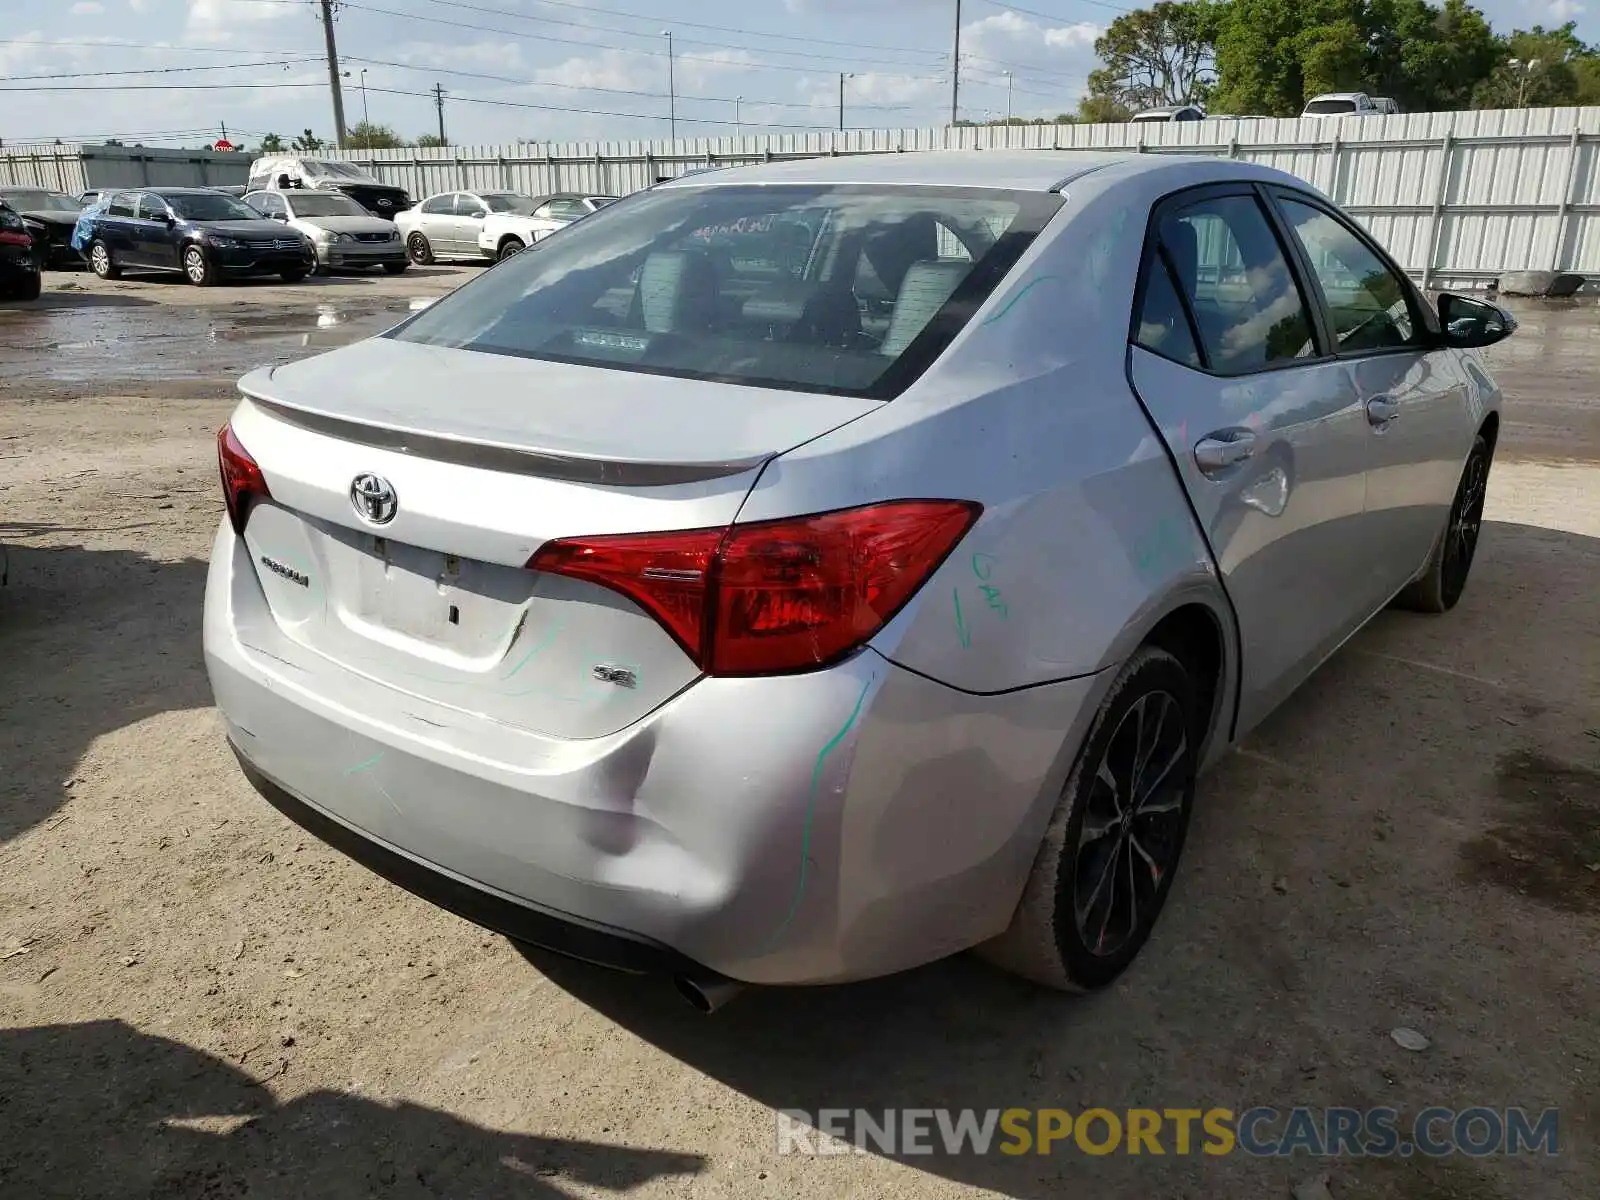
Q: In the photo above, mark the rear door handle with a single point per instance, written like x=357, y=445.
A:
x=1219, y=451
x=1381, y=410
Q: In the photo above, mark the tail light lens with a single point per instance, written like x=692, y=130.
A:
x=773, y=596
x=242, y=481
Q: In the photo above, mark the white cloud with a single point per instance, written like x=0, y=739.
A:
x=1565, y=10
x=87, y=8
x=216, y=20
x=139, y=6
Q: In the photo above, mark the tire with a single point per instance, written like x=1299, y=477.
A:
x=197, y=268
x=1445, y=578
x=418, y=250
x=29, y=288
x=101, y=262
x=395, y=268
x=509, y=247
x=1048, y=940
x=293, y=275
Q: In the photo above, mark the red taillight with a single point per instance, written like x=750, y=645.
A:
x=8, y=238
x=242, y=480
x=773, y=596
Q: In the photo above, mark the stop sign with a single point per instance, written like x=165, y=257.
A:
x=224, y=144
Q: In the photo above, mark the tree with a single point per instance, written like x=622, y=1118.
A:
x=1539, y=68
x=1102, y=110
x=306, y=141
x=272, y=144
x=366, y=136
x=431, y=140
x=1164, y=54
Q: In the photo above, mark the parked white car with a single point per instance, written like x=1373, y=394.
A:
x=1350, y=104
x=508, y=233
x=344, y=234
x=290, y=172
x=449, y=224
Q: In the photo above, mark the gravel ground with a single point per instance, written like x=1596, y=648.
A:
x=197, y=999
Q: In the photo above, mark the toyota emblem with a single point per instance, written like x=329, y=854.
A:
x=374, y=499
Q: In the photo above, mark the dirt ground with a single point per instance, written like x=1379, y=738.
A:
x=197, y=999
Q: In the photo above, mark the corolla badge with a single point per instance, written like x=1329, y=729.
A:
x=374, y=499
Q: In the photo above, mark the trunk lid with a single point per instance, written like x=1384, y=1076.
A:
x=488, y=457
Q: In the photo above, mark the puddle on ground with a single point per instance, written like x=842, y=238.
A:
x=90, y=344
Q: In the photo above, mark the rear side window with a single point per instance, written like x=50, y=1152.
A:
x=1368, y=303
x=122, y=205
x=1163, y=326
x=440, y=204
x=1231, y=270
x=753, y=285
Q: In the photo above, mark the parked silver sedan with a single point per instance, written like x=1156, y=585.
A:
x=345, y=235
x=447, y=225
x=803, y=572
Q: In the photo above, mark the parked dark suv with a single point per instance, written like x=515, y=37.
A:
x=49, y=217
x=201, y=232
x=19, y=266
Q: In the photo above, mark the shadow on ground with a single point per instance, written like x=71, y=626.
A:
x=90, y=641
x=100, y=1109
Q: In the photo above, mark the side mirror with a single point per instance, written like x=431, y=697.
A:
x=169, y=220
x=278, y=216
x=1472, y=324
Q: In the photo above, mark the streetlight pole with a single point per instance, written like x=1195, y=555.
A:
x=842, y=77
x=672, y=88
x=1009, y=82
x=738, y=128
x=366, y=118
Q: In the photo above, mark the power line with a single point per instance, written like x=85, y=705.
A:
x=140, y=46
x=1044, y=16
x=154, y=87
x=281, y=62
x=501, y=12
x=592, y=45
x=584, y=87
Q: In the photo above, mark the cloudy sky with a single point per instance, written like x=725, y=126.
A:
x=549, y=70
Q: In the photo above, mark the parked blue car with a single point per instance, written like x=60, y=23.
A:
x=204, y=234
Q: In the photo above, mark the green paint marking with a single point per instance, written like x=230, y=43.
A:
x=962, y=631
x=540, y=648
x=1012, y=303
x=359, y=767
x=811, y=811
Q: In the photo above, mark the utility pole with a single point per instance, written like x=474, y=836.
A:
x=366, y=118
x=955, y=71
x=841, y=101
x=672, y=87
x=738, y=126
x=1009, y=82
x=333, y=72
x=438, y=103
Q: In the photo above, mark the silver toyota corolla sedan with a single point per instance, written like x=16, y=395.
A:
x=801, y=573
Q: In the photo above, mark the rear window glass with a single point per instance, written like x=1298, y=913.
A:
x=1326, y=107
x=848, y=290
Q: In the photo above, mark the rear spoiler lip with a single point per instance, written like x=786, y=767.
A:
x=504, y=456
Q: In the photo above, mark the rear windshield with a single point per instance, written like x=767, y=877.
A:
x=846, y=290
x=40, y=200
x=1324, y=107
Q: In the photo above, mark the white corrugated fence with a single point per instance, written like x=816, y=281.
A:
x=1457, y=197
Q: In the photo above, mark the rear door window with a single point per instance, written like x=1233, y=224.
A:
x=121, y=205
x=440, y=204
x=752, y=285
x=152, y=207
x=1230, y=268
x=1163, y=326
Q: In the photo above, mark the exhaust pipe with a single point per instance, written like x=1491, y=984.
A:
x=706, y=994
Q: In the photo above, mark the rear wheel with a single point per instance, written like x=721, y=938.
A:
x=1445, y=579
x=197, y=268
x=395, y=268
x=101, y=262
x=28, y=287
x=1112, y=847
x=419, y=249
x=508, y=248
